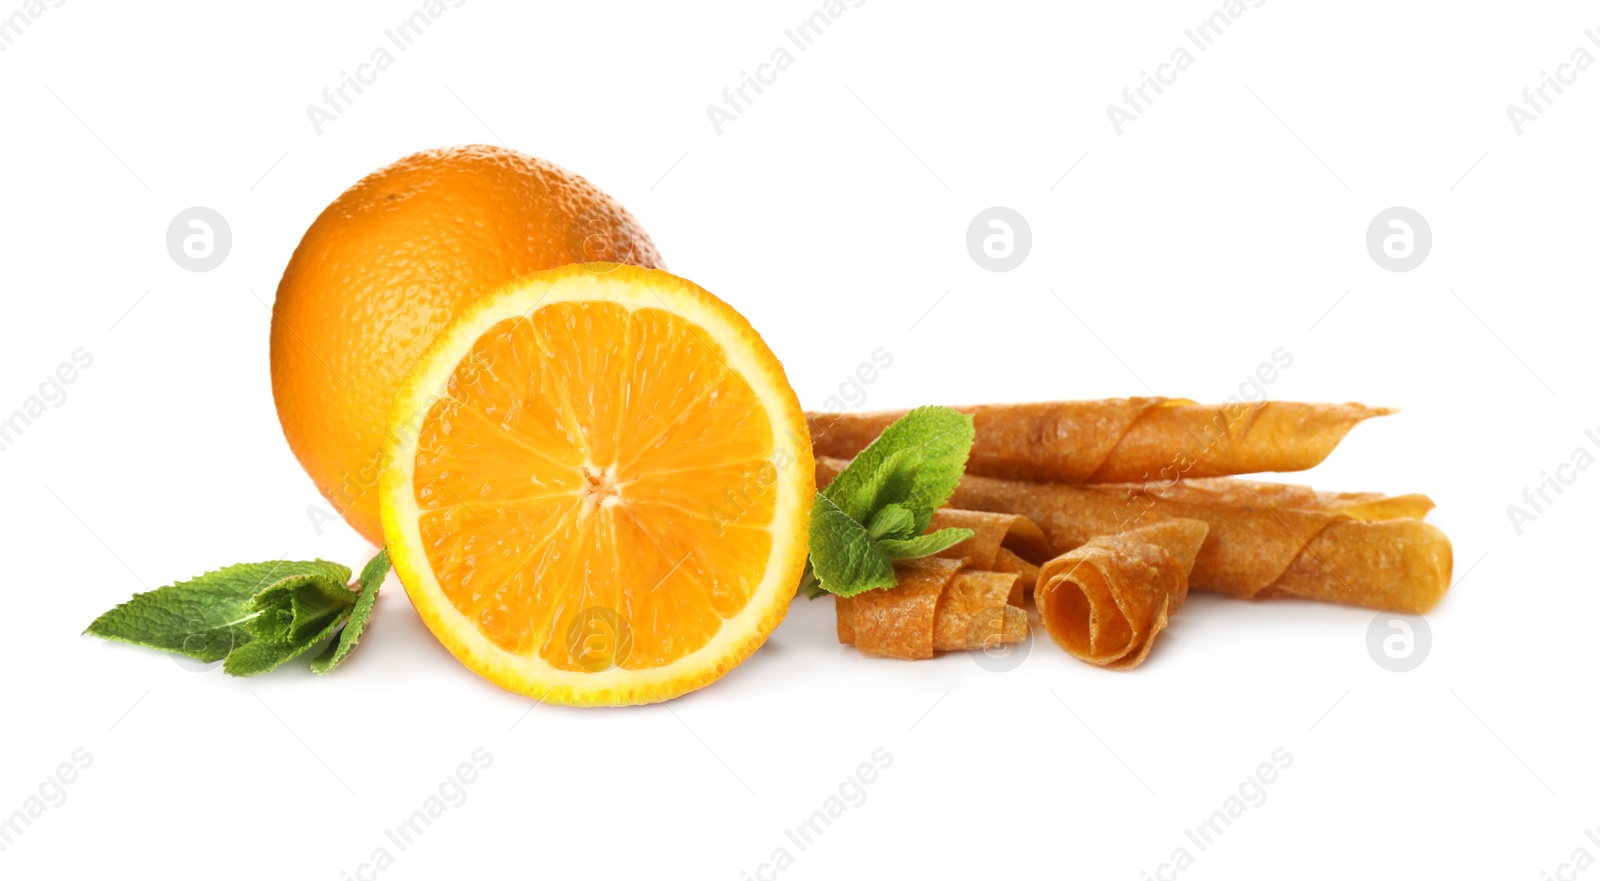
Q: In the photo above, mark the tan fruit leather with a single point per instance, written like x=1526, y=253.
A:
x=968, y=596
x=897, y=622
x=1265, y=540
x=991, y=533
x=1124, y=439
x=936, y=606
x=1106, y=600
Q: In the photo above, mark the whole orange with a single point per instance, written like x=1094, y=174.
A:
x=388, y=264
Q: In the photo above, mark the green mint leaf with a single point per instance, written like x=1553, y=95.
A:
x=876, y=510
x=870, y=490
x=843, y=557
x=291, y=609
x=372, y=576
x=259, y=656
x=202, y=617
x=924, y=545
x=916, y=462
x=892, y=522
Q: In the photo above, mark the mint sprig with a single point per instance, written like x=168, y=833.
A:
x=372, y=576
x=253, y=617
x=880, y=506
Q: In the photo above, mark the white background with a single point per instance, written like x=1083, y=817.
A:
x=1174, y=258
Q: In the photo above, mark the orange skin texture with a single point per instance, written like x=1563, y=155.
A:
x=386, y=266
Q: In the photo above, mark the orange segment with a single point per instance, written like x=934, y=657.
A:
x=605, y=499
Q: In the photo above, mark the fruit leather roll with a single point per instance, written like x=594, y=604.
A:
x=999, y=543
x=1105, y=601
x=1265, y=540
x=936, y=605
x=1124, y=439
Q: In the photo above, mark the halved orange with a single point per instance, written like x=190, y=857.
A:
x=597, y=486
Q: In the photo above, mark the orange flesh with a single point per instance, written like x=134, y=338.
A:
x=593, y=459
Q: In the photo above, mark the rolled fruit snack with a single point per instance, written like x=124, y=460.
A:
x=968, y=596
x=1105, y=601
x=1265, y=540
x=1124, y=439
x=999, y=543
